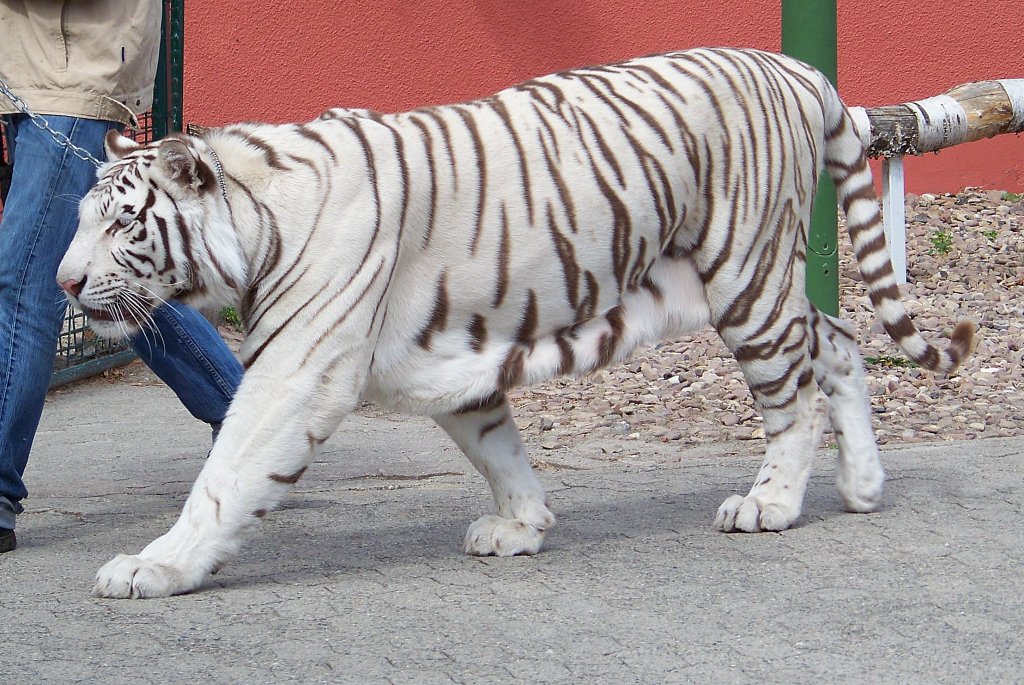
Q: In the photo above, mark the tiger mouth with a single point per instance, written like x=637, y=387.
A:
x=98, y=314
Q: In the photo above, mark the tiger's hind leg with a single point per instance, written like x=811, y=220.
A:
x=839, y=372
x=490, y=439
x=777, y=367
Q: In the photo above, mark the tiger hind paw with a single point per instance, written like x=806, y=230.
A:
x=502, y=537
x=861, y=491
x=740, y=514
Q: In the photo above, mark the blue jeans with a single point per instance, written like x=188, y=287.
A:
x=39, y=221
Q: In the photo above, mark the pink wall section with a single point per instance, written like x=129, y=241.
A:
x=282, y=62
x=901, y=50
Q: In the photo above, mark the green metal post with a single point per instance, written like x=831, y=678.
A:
x=167, y=96
x=809, y=34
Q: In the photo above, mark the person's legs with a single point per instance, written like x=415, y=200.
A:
x=39, y=221
x=188, y=354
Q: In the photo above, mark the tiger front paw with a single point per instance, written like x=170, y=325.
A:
x=133, y=577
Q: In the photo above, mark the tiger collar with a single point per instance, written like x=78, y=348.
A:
x=219, y=169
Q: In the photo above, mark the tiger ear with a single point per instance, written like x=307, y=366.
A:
x=177, y=160
x=117, y=146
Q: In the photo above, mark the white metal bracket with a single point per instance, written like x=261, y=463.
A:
x=894, y=215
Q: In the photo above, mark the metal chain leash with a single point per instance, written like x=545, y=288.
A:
x=42, y=124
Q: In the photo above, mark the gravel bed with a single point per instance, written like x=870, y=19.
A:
x=966, y=260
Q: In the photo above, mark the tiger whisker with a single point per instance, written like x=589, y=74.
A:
x=67, y=197
x=164, y=303
x=143, y=317
x=157, y=297
x=144, y=323
x=115, y=310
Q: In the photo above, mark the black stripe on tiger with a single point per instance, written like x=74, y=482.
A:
x=311, y=134
x=503, y=256
x=493, y=426
x=127, y=265
x=608, y=343
x=289, y=479
x=197, y=280
x=165, y=239
x=524, y=169
x=567, y=208
x=567, y=257
x=477, y=333
x=481, y=165
x=269, y=153
x=447, y=146
x=438, y=315
x=484, y=404
x=340, y=320
x=510, y=372
x=428, y=150
x=528, y=324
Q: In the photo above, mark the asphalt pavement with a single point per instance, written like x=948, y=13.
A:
x=360, y=577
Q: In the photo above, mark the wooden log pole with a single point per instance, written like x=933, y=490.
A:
x=971, y=111
x=966, y=113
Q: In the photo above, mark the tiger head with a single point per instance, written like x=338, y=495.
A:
x=156, y=227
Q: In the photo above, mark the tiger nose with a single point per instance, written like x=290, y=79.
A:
x=71, y=286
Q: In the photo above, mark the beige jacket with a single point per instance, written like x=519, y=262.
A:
x=94, y=59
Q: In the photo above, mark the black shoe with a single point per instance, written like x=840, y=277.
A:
x=8, y=541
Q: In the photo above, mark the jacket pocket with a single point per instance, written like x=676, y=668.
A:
x=60, y=55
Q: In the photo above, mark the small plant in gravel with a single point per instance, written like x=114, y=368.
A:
x=942, y=242
x=991, y=234
x=1012, y=197
x=229, y=316
x=889, y=360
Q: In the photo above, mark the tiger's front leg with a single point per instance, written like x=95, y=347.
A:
x=264, y=447
x=490, y=439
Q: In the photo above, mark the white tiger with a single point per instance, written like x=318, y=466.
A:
x=431, y=260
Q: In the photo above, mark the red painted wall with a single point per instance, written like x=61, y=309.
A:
x=282, y=62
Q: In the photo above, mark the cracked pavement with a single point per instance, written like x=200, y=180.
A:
x=360, y=577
